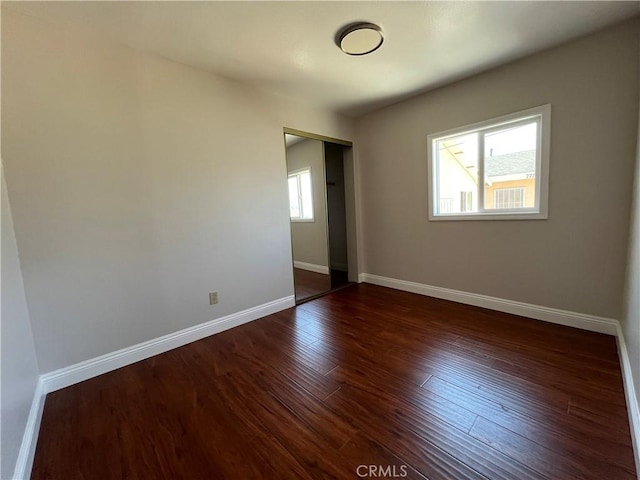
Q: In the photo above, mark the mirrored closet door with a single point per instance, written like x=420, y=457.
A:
x=318, y=213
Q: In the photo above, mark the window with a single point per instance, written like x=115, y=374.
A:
x=508, y=197
x=497, y=169
x=300, y=196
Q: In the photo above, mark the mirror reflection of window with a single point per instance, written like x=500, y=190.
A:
x=301, y=195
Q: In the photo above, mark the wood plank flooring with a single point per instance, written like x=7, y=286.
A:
x=366, y=376
x=308, y=284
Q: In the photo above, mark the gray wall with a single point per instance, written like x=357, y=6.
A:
x=19, y=365
x=575, y=260
x=138, y=185
x=631, y=317
x=309, y=239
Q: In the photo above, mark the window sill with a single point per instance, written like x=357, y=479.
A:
x=490, y=216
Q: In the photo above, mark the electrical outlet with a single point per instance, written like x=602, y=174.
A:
x=213, y=298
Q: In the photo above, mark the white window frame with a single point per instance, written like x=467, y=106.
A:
x=540, y=211
x=297, y=174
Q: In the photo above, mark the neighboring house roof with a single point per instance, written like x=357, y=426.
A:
x=511, y=163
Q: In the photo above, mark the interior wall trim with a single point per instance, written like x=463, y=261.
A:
x=553, y=315
x=73, y=374
x=311, y=267
x=315, y=136
x=633, y=407
x=27, y=452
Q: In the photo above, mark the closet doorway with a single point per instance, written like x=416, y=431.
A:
x=320, y=179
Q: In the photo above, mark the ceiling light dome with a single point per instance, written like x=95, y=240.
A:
x=359, y=38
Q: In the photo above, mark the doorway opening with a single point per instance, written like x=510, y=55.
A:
x=322, y=213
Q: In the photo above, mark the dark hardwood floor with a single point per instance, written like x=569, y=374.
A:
x=309, y=284
x=363, y=376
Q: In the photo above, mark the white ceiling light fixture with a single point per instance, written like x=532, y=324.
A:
x=359, y=38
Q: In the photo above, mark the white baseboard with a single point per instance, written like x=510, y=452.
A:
x=312, y=267
x=553, y=315
x=97, y=366
x=24, y=463
x=633, y=408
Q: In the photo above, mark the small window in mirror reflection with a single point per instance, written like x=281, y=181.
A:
x=300, y=196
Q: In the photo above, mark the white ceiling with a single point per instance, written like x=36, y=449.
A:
x=288, y=47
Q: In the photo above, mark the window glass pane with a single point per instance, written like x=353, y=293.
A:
x=509, y=197
x=306, y=195
x=466, y=201
x=510, y=167
x=445, y=205
x=294, y=204
x=457, y=174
